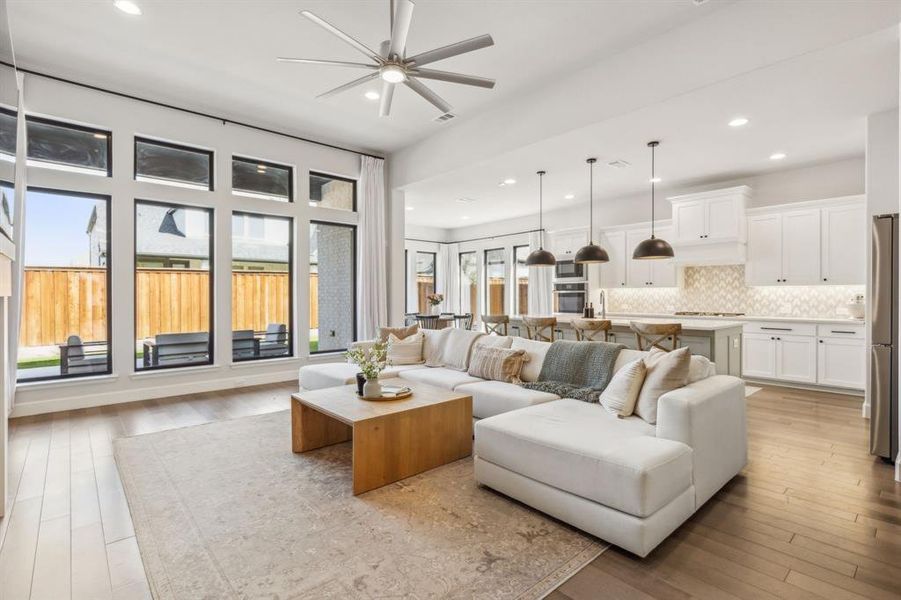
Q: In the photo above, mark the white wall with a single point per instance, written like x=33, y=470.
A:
x=125, y=118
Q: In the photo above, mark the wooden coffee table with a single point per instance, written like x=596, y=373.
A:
x=392, y=439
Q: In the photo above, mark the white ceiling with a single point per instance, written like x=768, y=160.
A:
x=813, y=108
x=219, y=56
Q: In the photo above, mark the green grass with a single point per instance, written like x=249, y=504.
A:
x=314, y=345
x=33, y=363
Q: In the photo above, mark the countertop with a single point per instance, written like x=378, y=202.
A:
x=744, y=318
x=688, y=323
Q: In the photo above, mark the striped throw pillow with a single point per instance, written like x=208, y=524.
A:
x=407, y=351
x=497, y=364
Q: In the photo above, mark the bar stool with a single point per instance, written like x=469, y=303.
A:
x=540, y=328
x=656, y=334
x=591, y=330
x=496, y=324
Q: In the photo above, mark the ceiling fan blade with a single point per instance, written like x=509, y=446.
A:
x=435, y=99
x=349, y=85
x=330, y=63
x=387, y=95
x=453, y=77
x=360, y=46
x=401, y=27
x=476, y=43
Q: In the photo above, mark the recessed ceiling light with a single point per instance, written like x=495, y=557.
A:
x=466, y=200
x=509, y=181
x=569, y=196
x=128, y=7
x=654, y=180
x=777, y=156
x=465, y=217
x=372, y=95
x=409, y=208
x=738, y=122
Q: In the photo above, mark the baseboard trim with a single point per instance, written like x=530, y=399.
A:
x=76, y=401
x=804, y=386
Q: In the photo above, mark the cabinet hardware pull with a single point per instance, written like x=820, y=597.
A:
x=838, y=331
x=778, y=339
x=821, y=341
x=777, y=328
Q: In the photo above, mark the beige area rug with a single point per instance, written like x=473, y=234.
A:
x=226, y=510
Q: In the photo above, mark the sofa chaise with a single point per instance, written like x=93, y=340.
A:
x=625, y=480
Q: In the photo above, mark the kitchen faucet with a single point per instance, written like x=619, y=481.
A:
x=602, y=300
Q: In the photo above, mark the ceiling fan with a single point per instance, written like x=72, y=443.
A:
x=391, y=64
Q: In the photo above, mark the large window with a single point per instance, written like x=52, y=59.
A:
x=332, y=286
x=69, y=147
x=521, y=280
x=425, y=279
x=173, y=285
x=172, y=164
x=261, y=287
x=328, y=191
x=258, y=179
x=495, y=281
x=469, y=280
x=65, y=328
x=7, y=135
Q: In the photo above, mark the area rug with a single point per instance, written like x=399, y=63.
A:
x=226, y=510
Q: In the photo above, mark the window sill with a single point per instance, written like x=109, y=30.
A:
x=264, y=361
x=62, y=383
x=151, y=373
x=326, y=356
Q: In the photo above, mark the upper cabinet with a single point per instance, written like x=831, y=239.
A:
x=709, y=227
x=613, y=273
x=818, y=244
x=567, y=242
x=648, y=273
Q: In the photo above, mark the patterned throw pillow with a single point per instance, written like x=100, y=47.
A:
x=400, y=332
x=497, y=364
x=667, y=371
x=621, y=393
x=407, y=351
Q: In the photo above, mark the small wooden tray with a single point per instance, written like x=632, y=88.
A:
x=400, y=394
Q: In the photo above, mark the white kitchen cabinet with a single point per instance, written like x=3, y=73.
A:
x=613, y=273
x=841, y=362
x=689, y=220
x=758, y=355
x=648, y=273
x=663, y=271
x=843, y=238
x=568, y=242
x=796, y=358
x=710, y=217
x=764, y=266
x=801, y=247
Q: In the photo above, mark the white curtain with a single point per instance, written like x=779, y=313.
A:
x=412, y=287
x=449, y=276
x=372, y=277
x=14, y=302
x=541, y=283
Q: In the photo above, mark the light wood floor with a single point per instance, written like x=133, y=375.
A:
x=813, y=515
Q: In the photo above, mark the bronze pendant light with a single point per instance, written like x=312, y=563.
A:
x=592, y=253
x=540, y=257
x=652, y=248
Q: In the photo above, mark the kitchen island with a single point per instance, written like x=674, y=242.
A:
x=718, y=340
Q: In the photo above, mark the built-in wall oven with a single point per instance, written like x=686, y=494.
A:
x=569, y=270
x=570, y=297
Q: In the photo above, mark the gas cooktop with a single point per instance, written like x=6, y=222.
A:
x=690, y=313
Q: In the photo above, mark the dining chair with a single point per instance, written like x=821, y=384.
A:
x=465, y=321
x=496, y=324
x=429, y=321
x=655, y=335
x=540, y=328
x=591, y=330
x=410, y=319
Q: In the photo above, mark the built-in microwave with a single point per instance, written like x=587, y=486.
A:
x=569, y=270
x=570, y=297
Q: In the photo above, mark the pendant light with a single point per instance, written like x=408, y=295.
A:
x=653, y=247
x=540, y=257
x=592, y=253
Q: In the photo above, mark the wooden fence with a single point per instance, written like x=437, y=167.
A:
x=60, y=302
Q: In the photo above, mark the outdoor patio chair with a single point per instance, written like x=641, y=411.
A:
x=245, y=345
x=275, y=341
x=73, y=360
x=177, y=349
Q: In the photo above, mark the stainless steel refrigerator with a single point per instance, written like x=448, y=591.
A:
x=884, y=339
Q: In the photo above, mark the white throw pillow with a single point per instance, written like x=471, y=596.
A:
x=432, y=345
x=535, y=351
x=667, y=371
x=405, y=351
x=700, y=368
x=621, y=394
x=495, y=341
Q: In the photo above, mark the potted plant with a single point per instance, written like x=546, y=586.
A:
x=434, y=300
x=371, y=362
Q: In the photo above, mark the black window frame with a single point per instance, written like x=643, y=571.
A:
x=15, y=115
x=353, y=286
x=109, y=285
x=487, y=291
x=515, y=286
x=434, y=256
x=77, y=127
x=291, y=335
x=291, y=175
x=474, y=309
x=174, y=146
x=211, y=339
x=312, y=174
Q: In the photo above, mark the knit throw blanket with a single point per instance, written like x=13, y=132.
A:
x=579, y=370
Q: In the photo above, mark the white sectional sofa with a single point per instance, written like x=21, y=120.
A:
x=624, y=480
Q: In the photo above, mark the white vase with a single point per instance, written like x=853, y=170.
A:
x=372, y=388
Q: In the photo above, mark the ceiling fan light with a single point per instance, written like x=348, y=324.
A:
x=653, y=249
x=592, y=253
x=393, y=74
x=540, y=258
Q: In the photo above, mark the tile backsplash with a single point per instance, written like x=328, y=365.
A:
x=723, y=289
